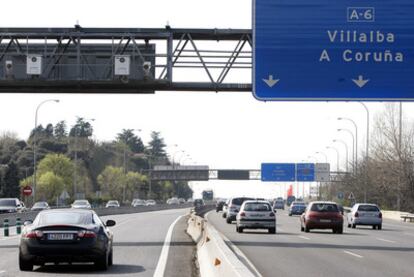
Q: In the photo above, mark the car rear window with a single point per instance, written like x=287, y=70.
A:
x=7, y=202
x=257, y=207
x=64, y=218
x=298, y=204
x=239, y=201
x=368, y=208
x=323, y=207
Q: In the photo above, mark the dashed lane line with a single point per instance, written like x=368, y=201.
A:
x=386, y=240
x=353, y=254
x=303, y=237
x=162, y=261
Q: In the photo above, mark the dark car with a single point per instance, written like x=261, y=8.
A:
x=66, y=235
x=198, y=203
x=219, y=205
x=322, y=215
x=234, y=207
x=297, y=208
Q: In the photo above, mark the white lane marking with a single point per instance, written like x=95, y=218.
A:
x=9, y=238
x=391, y=241
x=2, y=271
x=303, y=237
x=353, y=254
x=162, y=261
x=235, y=249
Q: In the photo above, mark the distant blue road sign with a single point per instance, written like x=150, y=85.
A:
x=277, y=172
x=333, y=50
x=305, y=172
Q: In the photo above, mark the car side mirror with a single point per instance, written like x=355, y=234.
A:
x=110, y=223
x=27, y=222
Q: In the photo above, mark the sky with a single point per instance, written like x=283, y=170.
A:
x=221, y=130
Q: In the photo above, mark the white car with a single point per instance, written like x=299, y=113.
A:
x=256, y=214
x=138, y=202
x=173, y=201
x=81, y=204
x=150, y=202
x=11, y=205
x=365, y=214
x=112, y=204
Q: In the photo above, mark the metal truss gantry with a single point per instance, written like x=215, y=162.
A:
x=82, y=59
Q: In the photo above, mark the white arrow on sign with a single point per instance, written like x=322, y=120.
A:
x=270, y=81
x=360, y=82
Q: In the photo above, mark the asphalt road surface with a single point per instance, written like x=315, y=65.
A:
x=139, y=240
x=357, y=252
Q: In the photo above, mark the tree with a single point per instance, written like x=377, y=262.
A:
x=82, y=128
x=59, y=165
x=112, y=182
x=61, y=130
x=157, y=145
x=134, y=143
x=11, y=181
x=50, y=186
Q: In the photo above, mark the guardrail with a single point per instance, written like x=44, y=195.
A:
x=214, y=257
x=100, y=211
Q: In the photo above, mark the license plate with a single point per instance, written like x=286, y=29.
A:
x=60, y=236
x=325, y=220
x=257, y=215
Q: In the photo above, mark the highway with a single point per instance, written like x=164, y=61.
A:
x=290, y=252
x=139, y=242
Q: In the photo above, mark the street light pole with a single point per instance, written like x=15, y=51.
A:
x=353, y=146
x=337, y=156
x=323, y=154
x=356, y=140
x=346, y=153
x=34, y=144
x=367, y=153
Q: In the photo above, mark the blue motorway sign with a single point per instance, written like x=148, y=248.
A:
x=278, y=172
x=333, y=50
x=305, y=172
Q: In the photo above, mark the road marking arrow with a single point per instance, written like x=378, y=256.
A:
x=271, y=82
x=360, y=82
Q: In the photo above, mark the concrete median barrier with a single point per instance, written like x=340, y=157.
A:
x=214, y=257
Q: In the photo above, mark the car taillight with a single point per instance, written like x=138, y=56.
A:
x=356, y=214
x=242, y=214
x=380, y=215
x=86, y=234
x=271, y=214
x=33, y=235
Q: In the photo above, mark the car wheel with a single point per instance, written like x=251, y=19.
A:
x=111, y=258
x=379, y=227
x=302, y=229
x=228, y=220
x=241, y=230
x=353, y=226
x=102, y=263
x=25, y=265
x=374, y=227
x=340, y=230
x=272, y=230
x=307, y=229
x=290, y=214
x=224, y=215
x=349, y=225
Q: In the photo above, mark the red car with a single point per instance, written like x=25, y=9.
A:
x=322, y=215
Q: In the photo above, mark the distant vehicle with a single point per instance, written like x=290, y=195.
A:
x=11, y=205
x=256, y=215
x=173, y=201
x=81, y=204
x=198, y=203
x=226, y=208
x=219, y=205
x=190, y=200
x=137, y=202
x=290, y=199
x=279, y=204
x=112, y=204
x=297, y=208
x=40, y=206
x=234, y=207
x=66, y=236
x=365, y=214
x=181, y=200
x=208, y=195
x=322, y=215
x=150, y=202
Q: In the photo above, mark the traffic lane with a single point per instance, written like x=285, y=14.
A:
x=138, y=241
x=319, y=253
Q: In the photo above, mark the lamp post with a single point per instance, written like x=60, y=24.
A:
x=323, y=154
x=337, y=156
x=367, y=152
x=346, y=151
x=356, y=140
x=353, y=146
x=34, y=144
